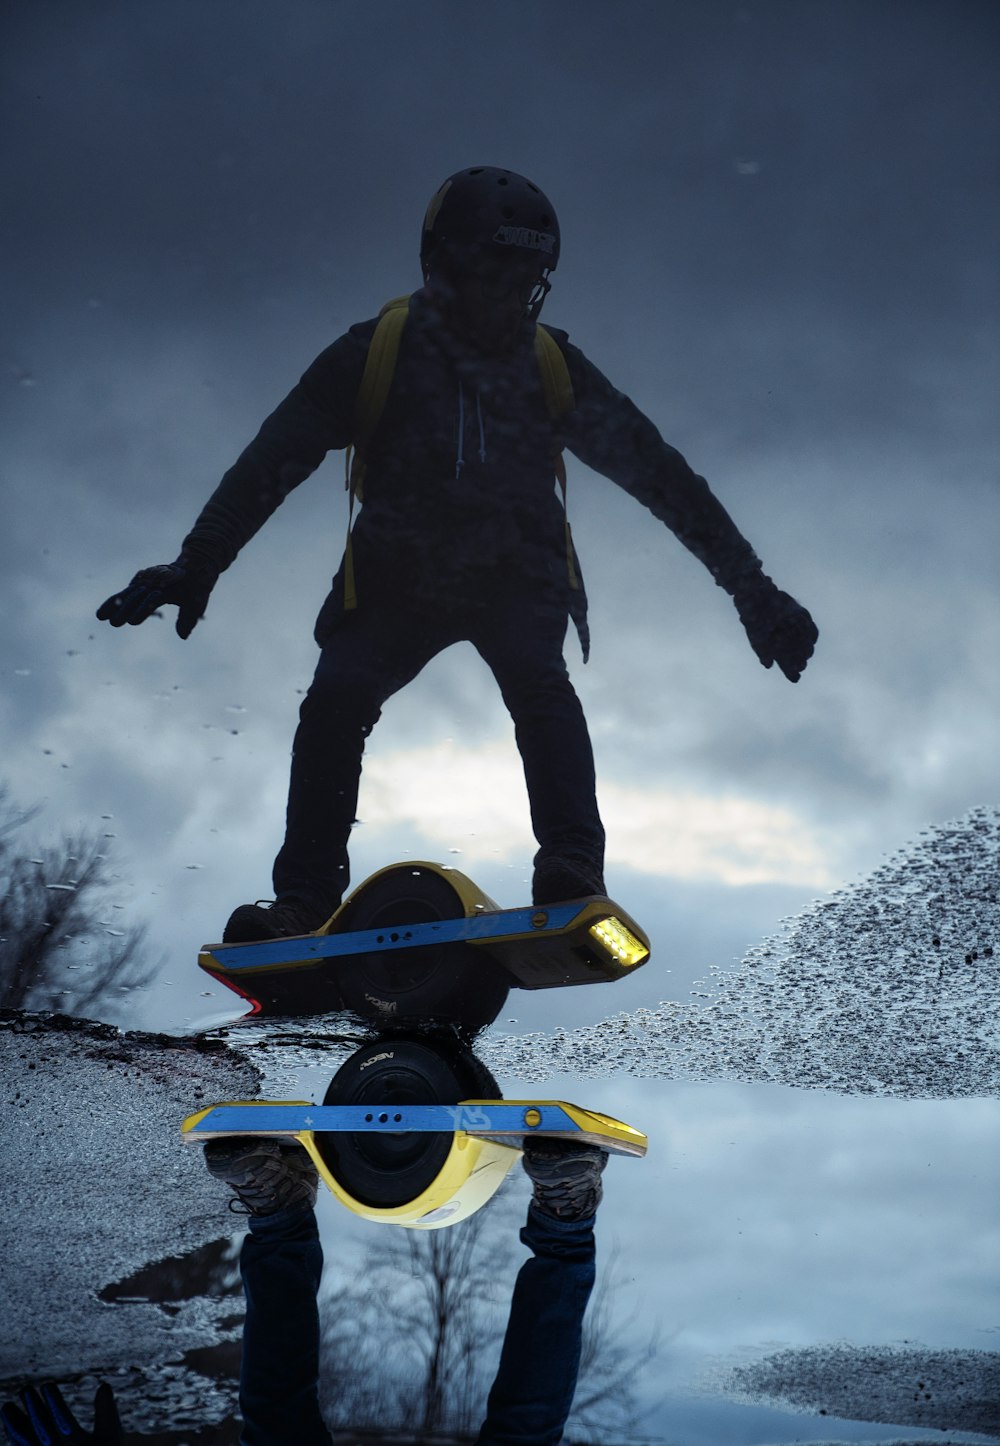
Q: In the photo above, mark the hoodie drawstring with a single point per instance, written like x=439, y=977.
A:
x=482, y=434
x=460, y=453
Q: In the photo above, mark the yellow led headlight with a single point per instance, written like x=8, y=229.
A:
x=620, y=942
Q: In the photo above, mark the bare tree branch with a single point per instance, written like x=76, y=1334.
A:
x=412, y=1340
x=56, y=912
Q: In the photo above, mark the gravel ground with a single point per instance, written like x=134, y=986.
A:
x=947, y=1391
x=96, y=1184
x=888, y=987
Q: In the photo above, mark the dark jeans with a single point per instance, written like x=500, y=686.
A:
x=281, y=1263
x=373, y=653
x=533, y=1392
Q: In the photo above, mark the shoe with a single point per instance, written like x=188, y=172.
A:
x=265, y=1175
x=558, y=879
x=566, y=1176
x=252, y=922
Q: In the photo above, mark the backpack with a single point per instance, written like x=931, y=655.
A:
x=380, y=366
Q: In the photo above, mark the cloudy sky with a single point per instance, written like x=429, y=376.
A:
x=779, y=233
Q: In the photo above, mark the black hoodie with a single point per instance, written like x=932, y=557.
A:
x=459, y=489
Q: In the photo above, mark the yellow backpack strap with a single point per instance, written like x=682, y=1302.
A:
x=376, y=379
x=559, y=399
x=556, y=383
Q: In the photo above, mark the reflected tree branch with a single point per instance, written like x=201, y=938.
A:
x=52, y=906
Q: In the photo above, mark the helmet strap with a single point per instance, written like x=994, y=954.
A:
x=541, y=291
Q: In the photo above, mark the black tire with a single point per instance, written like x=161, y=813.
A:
x=383, y=1170
x=476, y=1080
x=440, y=982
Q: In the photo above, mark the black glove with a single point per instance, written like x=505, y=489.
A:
x=186, y=583
x=46, y=1420
x=780, y=629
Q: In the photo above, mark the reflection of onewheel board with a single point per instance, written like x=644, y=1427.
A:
x=419, y=941
x=479, y=1141
x=412, y=1131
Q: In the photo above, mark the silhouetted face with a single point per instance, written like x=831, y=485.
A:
x=487, y=298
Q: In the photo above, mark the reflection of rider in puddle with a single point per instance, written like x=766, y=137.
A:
x=281, y=1263
x=461, y=536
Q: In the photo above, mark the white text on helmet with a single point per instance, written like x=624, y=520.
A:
x=524, y=236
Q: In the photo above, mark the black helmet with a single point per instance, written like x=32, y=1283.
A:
x=489, y=211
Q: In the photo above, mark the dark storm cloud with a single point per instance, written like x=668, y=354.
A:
x=799, y=198
x=844, y=150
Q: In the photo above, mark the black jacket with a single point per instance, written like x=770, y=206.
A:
x=459, y=490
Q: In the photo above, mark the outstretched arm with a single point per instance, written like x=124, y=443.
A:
x=609, y=433
x=316, y=417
